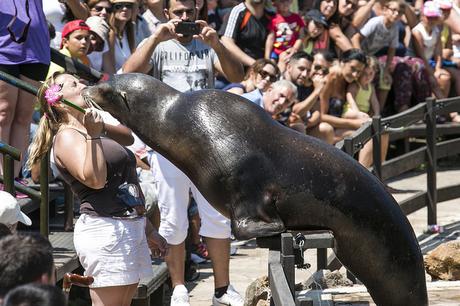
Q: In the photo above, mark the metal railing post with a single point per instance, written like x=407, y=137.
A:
x=431, y=159
x=377, y=146
x=8, y=173
x=44, y=201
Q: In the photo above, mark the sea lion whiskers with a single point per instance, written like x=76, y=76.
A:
x=90, y=102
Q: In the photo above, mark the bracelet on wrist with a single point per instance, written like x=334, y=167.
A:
x=93, y=138
x=104, y=130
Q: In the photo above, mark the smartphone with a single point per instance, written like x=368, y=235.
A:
x=188, y=28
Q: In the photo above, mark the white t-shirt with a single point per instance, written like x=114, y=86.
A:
x=55, y=12
x=122, y=51
x=376, y=35
x=185, y=67
x=429, y=41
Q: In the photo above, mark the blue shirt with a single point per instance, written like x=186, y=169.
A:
x=36, y=48
x=254, y=96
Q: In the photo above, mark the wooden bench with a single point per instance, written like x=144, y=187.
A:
x=65, y=257
x=150, y=291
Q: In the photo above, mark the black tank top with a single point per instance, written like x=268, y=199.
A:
x=121, y=169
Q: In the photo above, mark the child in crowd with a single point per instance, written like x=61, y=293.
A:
x=99, y=35
x=427, y=45
x=315, y=24
x=75, y=44
x=284, y=31
x=380, y=32
x=361, y=97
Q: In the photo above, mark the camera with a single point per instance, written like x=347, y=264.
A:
x=188, y=28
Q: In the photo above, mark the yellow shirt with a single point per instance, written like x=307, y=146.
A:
x=55, y=67
x=362, y=99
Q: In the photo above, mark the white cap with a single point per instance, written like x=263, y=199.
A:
x=10, y=212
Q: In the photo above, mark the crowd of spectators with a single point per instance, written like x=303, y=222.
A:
x=320, y=67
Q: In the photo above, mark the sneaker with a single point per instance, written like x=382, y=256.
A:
x=180, y=296
x=201, y=250
x=230, y=298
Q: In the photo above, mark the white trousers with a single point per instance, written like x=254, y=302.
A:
x=173, y=198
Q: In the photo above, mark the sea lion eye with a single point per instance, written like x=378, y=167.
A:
x=124, y=96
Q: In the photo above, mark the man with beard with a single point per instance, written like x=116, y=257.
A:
x=310, y=83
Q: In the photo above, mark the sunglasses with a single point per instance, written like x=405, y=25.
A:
x=122, y=5
x=100, y=8
x=264, y=74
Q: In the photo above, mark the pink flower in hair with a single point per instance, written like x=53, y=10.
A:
x=52, y=95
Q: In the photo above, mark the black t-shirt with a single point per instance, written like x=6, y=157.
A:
x=303, y=92
x=248, y=32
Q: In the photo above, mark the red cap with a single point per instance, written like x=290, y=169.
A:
x=72, y=26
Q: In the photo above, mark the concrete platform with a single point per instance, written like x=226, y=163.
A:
x=251, y=262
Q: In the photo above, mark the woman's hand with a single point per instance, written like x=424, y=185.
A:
x=93, y=123
x=157, y=244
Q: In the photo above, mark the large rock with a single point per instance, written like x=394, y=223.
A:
x=258, y=292
x=323, y=279
x=444, y=261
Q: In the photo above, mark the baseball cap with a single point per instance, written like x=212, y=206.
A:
x=72, y=26
x=10, y=212
x=431, y=9
x=317, y=16
x=99, y=26
x=444, y=4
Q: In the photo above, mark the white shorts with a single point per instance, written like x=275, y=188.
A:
x=173, y=198
x=113, y=251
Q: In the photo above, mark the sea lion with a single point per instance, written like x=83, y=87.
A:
x=268, y=178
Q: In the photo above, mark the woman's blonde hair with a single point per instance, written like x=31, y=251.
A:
x=373, y=63
x=49, y=124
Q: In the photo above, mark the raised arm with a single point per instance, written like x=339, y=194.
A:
x=362, y=14
x=301, y=108
x=79, y=9
x=119, y=133
x=82, y=156
x=230, y=44
x=356, y=40
x=341, y=41
x=227, y=64
x=139, y=61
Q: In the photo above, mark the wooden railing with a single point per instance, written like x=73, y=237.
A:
x=420, y=120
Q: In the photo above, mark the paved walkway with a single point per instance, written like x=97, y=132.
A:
x=251, y=262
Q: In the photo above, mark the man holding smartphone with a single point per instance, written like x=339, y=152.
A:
x=184, y=53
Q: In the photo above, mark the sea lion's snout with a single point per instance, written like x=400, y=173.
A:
x=99, y=94
x=247, y=228
x=259, y=218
